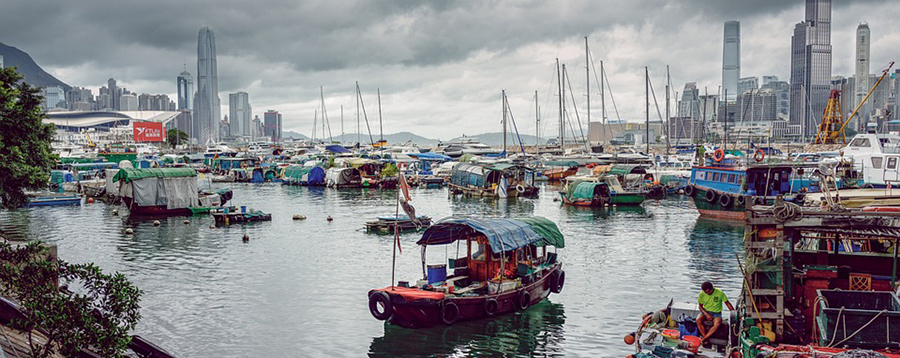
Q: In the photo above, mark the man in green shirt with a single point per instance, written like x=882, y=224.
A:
x=710, y=301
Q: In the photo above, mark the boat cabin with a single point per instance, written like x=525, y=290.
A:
x=484, y=180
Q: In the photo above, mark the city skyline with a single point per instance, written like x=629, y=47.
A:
x=431, y=81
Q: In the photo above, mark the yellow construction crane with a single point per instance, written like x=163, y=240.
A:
x=831, y=130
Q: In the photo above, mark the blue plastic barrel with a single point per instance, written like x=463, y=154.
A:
x=243, y=209
x=437, y=273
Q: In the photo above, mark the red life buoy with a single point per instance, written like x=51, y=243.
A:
x=719, y=154
x=760, y=155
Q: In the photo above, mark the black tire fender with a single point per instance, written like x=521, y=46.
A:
x=711, y=196
x=449, y=312
x=689, y=190
x=523, y=299
x=726, y=200
x=558, y=281
x=380, y=297
x=491, y=307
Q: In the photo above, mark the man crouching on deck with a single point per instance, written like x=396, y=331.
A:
x=710, y=301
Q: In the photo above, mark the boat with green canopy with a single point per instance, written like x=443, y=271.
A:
x=500, y=266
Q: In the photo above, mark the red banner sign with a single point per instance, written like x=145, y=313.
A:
x=148, y=132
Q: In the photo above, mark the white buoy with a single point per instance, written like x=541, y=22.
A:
x=155, y=222
x=129, y=231
x=299, y=217
x=212, y=226
x=115, y=212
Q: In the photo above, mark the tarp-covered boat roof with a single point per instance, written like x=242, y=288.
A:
x=129, y=175
x=584, y=190
x=622, y=169
x=561, y=163
x=429, y=156
x=336, y=149
x=502, y=234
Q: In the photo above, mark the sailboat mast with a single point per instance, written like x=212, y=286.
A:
x=602, y=94
x=537, y=124
x=342, y=124
x=380, y=123
x=503, y=102
x=668, y=104
x=647, y=92
x=315, y=124
x=358, y=139
x=565, y=114
x=587, y=68
x=562, y=128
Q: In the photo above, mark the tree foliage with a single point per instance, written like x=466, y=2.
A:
x=97, y=316
x=25, y=153
x=175, y=137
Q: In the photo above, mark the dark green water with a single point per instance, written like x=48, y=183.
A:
x=298, y=288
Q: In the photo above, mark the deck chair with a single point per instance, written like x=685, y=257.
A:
x=860, y=282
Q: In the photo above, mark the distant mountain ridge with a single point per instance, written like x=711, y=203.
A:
x=491, y=139
x=34, y=74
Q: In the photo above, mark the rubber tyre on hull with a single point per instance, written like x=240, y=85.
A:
x=491, y=306
x=689, y=190
x=523, y=300
x=449, y=312
x=711, y=196
x=557, y=281
x=740, y=201
x=726, y=200
x=380, y=297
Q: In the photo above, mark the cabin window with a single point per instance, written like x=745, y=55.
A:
x=478, y=253
x=715, y=177
x=700, y=175
x=861, y=142
x=892, y=163
x=876, y=162
x=731, y=178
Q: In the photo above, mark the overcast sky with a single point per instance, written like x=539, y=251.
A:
x=440, y=64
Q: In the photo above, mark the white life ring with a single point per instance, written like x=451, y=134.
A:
x=520, y=188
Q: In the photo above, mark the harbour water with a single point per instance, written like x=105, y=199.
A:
x=298, y=288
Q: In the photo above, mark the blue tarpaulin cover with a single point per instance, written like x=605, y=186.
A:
x=336, y=149
x=429, y=156
x=502, y=234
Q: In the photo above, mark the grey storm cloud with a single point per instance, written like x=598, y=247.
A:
x=436, y=62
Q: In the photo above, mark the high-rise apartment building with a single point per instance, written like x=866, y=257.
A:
x=128, y=102
x=114, y=94
x=747, y=84
x=206, y=101
x=240, y=112
x=1, y=61
x=54, y=97
x=185, y=90
x=811, y=67
x=731, y=59
x=896, y=79
x=688, y=106
x=861, y=79
x=272, y=125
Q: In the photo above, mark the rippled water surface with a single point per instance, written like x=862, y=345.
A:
x=298, y=288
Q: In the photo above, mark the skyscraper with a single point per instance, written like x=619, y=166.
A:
x=239, y=111
x=206, y=100
x=811, y=67
x=113, y=92
x=731, y=59
x=272, y=125
x=185, y=90
x=861, y=80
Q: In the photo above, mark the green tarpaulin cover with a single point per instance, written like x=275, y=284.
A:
x=621, y=169
x=129, y=175
x=584, y=190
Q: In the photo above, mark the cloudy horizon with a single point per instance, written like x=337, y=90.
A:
x=440, y=65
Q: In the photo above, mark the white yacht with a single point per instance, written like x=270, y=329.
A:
x=467, y=145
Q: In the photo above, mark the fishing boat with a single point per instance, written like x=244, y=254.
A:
x=402, y=223
x=612, y=187
x=504, y=266
x=54, y=200
x=560, y=170
x=587, y=193
x=303, y=175
x=498, y=180
x=165, y=191
x=343, y=178
x=723, y=191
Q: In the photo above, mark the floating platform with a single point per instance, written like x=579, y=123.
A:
x=54, y=200
x=223, y=218
x=386, y=224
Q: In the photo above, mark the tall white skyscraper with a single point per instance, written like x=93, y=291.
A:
x=731, y=59
x=185, y=90
x=861, y=80
x=240, y=112
x=811, y=67
x=206, y=114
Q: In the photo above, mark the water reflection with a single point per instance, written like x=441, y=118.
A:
x=535, y=331
x=712, y=244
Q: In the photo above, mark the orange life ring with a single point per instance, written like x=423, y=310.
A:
x=719, y=154
x=760, y=155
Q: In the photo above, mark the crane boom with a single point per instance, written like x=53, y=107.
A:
x=883, y=74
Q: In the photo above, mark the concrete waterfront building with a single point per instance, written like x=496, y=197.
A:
x=185, y=90
x=811, y=67
x=731, y=59
x=54, y=97
x=206, y=100
x=128, y=102
x=747, y=84
x=272, y=125
x=861, y=79
x=240, y=112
